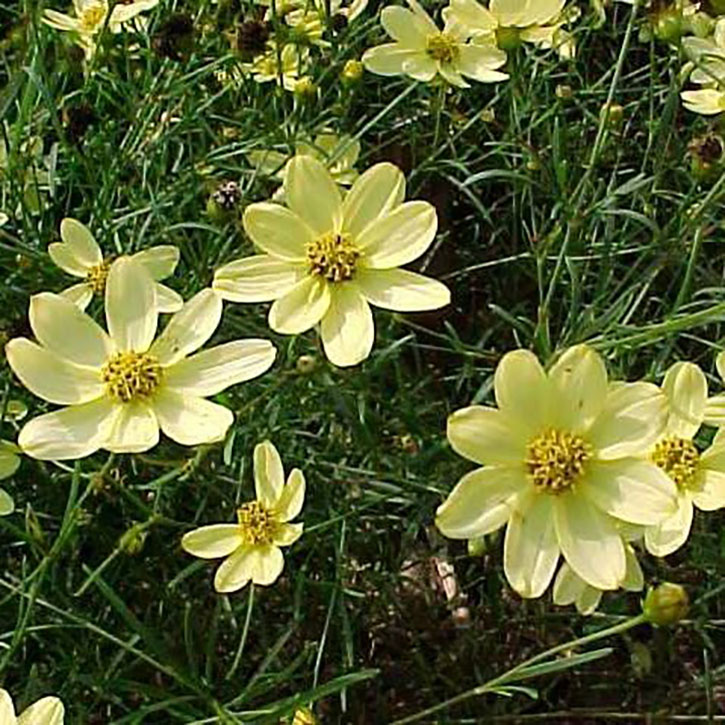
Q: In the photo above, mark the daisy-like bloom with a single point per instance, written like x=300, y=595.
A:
x=706, y=101
x=122, y=386
x=90, y=19
x=48, y=711
x=699, y=478
x=9, y=462
x=252, y=545
x=422, y=51
x=560, y=467
x=511, y=22
x=283, y=69
x=80, y=256
x=708, y=57
x=569, y=588
x=326, y=260
x=325, y=147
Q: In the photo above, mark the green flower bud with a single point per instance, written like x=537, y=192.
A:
x=666, y=604
x=352, y=72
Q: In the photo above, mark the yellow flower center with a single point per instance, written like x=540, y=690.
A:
x=92, y=17
x=255, y=523
x=679, y=459
x=442, y=47
x=555, y=460
x=131, y=375
x=98, y=275
x=333, y=256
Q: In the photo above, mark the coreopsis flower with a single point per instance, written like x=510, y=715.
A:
x=282, y=67
x=699, y=478
x=422, y=51
x=91, y=16
x=121, y=386
x=338, y=153
x=9, y=463
x=326, y=260
x=706, y=101
x=252, y=545
x=560, y=468
x=47, y=711
x=570, y=588
x=707, y=55
x=510, y=22
x=80, y=256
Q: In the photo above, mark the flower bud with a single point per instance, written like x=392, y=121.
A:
x=304, y=716
x=477, y=546
x=613, y=115
x=132, y=541
x=306, y=364
x=305, y=89
x=508, y=39
x=666, y=604
x=352, y=72
x=667, y=24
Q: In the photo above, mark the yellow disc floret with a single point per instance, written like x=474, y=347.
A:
x=333, y=257
x=442, y=47
x=255, y=523
x=92, y=17
x=131, y=375
x=555, y=460
x=679, y=459
x=97, y=276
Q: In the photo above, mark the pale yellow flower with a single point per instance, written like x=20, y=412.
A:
x=325, y=147
x=122, y=386
x=326, y=260
x=699, y=477
x=283, y=68
x=48, y=711
x=252, y=545
x=90, y=19
x=422, y=51
x=80, y=256
x=9, y=463
x=560, y=467
x=509, y=22
x=706, y=101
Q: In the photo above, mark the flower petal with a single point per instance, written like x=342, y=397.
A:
x=279, y=232
x=686, y=389
x=302, y=307
x=480, y=503
x=630, y=489
x=486, y=436
x=480, y=62
x=160, y=261
x=405, y=27
x=63, y=257
x=388, y=59
x=347, y=329
x=7, y=506
x=135, y=428
x=633, y=417
x=375, y=193
x=669, y=535
x=313, y=194
x=568, y=586
x=260, y=278
x=80, y=242
x=211, y=371
x=579, y=387
x=212, y=542
x=710, y=495
x=168, y=300
x=287, y=534
x=290, y=502
x=79, y=294
x=50, y=376
x=189, y=328
x=189, y=420
x=530, y=549
x=260, y=564
x=522, y=390
x=399, y=237
x=131, y=310
x=589, y=542
x=47, y=711
x=9, y=459
x=268, y=474
x=68, y=433
x=633, y=578
x=67, y=331
x=474, y=15
x=60, y=21
x=402, y=291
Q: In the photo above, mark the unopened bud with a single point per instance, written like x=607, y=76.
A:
x=667, y=24
x=564, y=92
x=306, y=364
x=477, y=546
x=613, y=115
x=132, y=541
x=305, y=88
x=666, y=604
x=352, y=72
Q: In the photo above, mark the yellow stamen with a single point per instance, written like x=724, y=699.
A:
x=555, y=460
x=333, y=257
x=679, y=459
x=92, y=17
x=255, y=523
x=131, y=375
x=98, y=275
x=442, y=47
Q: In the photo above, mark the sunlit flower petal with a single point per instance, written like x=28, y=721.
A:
x=190, y=420
x=347, y=329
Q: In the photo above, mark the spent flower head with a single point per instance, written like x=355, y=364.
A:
x=121, y=386
x=326, y=260
x=251, y=546
x=560, y=467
